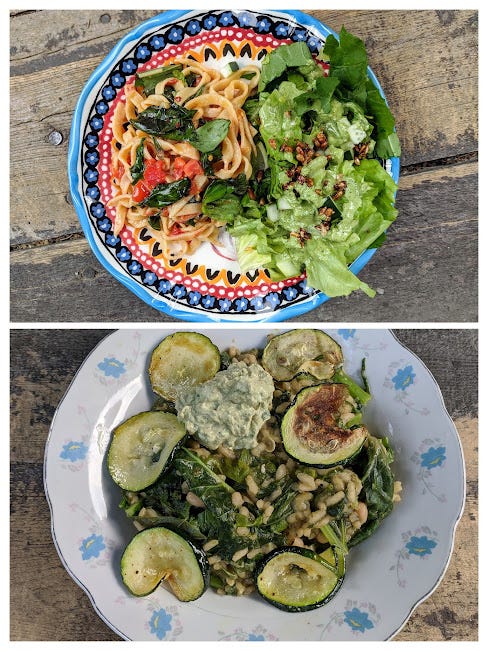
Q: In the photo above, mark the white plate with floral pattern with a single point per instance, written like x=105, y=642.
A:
x=388, y=575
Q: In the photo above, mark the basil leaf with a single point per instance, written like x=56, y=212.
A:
x=220, y=189
x=207, y=137
x=216, y=191
x=137, y=170
x=164, y=194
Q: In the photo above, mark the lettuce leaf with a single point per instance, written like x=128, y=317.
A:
x=279, y=121
x=365, y=211
x=286, y=56
x=327, y=269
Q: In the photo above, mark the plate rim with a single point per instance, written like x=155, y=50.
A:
x=171, y=327
x=74, y=148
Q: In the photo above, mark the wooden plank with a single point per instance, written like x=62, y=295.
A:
x=426, y=270
x=53, y=607
x=43, y=40
x=54, y=53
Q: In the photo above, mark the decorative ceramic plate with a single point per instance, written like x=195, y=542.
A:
x=208, y=285
x=388, y=574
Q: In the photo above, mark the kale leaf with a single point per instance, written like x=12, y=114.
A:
x=164, y=194
x=374, y=470
x=137, y=169
x=176, y=123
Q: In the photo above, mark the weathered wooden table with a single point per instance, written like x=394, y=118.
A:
x=46, y=604
x=427, y=270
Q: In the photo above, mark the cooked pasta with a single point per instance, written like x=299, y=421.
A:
x=142, y=161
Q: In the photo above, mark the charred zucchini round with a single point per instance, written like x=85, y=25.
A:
x=297, y=579
x=159, y=554
x=182, y=360
x=301, y=380
x=315, y=429
x=141, y=447
x=309, y=350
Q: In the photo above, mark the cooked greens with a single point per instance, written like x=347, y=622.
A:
x=151, y=78
x=137, y=170
x=164, y=194
x=176, y=123
x=244, y=506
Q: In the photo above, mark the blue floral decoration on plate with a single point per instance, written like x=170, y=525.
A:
x=404, y=378
x=433, y=457
x=420, y=546
x=92, y=546
x=74, y=451
x=160, y=623
x=358, y=620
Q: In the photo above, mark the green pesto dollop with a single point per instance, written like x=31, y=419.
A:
x=229, y=409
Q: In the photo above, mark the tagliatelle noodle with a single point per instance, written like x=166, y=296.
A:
x=182, y=226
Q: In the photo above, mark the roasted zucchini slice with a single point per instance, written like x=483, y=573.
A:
x=298, y=382
x=297, y=579
x=159, y=554
x=308, y=350
x=315, y=428
x=182, y=360
x=141, y=447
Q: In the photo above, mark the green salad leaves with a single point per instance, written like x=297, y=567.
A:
x=322, y=196
x=349, y=64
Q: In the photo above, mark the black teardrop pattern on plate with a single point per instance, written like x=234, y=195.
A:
x=190, y=56
x=211, y=274
x=252, y=275
x=209, y=54
x=144, y=235
x=262, y=54
x=156, y=250
x=174, y=263
x=233, y=278
x=190, y=270
x=266, y=273
x=228, y=49
x=246, y=50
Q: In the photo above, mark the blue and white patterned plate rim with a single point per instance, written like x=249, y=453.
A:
x=281, y=314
